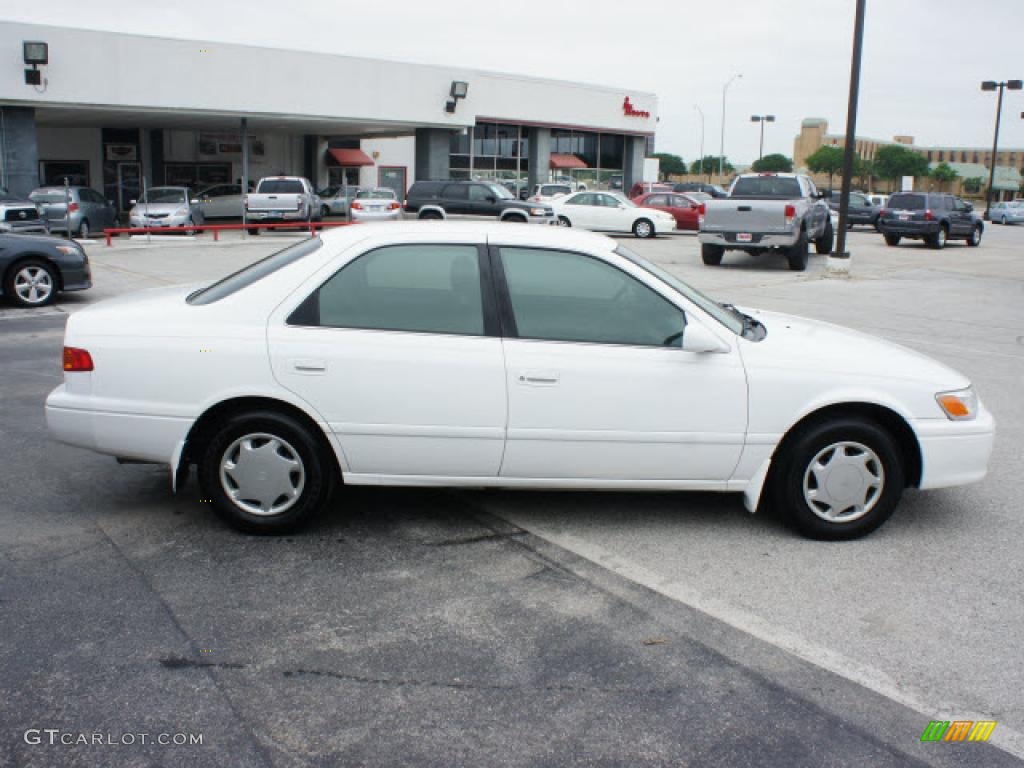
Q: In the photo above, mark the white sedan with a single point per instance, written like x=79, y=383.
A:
x=468, y=354
x=611, y=212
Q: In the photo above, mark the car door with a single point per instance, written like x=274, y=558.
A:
x=455, y=199
x=598, y=384
x=482, y=200
x=398, y=352
x=685, y=210
x=579, y=208
x=661, y=202
x=961, y=215
x=610, y=216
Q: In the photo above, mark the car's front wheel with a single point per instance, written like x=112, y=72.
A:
x=31, y=283
x=892, y=240
x=975, y=239
x=838, y=479
x=563, y=221
x=265, y=473
x=643, y=228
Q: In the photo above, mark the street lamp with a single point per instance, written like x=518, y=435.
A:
x=700, y=162
x=762, y=119
x=721, y=151
x=992, y=85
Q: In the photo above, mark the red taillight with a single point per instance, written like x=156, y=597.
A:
x=702, y=209
x=928, y=215
x=790, y=212
x=357, y=206
x=883, y=213
x=72, y=207
x=394, y=206
x=76, y=359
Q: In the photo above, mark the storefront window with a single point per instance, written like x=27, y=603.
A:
x=54, y=172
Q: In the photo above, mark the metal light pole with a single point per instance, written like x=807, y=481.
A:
x=991, y=85
x=762, y=119
x=839, y=259
x=700, y=162
x=721, y=150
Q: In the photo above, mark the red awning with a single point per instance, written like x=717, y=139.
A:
x=566, y=161
x=349, y=157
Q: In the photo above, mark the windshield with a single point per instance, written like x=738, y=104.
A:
x=716, y=310
x=550, y=190
x=163, y=195
x=47, y=197
x=256, y=271
x=281, y=187
x=375, y=194
x=766, y=187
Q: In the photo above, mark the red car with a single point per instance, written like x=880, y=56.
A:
x=646, y=187
x=683, y=207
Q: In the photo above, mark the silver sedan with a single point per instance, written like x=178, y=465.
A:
x=166, y=207
x=378, y=204
x=1011, y=212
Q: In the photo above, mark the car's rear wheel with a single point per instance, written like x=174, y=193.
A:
x=824, y=243
x=515, y=219
x=797, y=255
x=711, y=254
x=938, y=240
x=975, y=239
x=265, y=473
x=83, y=229
x=643, y=228
x=253, y=230
x=563, y=221
x=838, y=479
x=31, y=283
x=892, y=240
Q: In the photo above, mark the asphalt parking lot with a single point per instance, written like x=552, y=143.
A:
x=480, y=628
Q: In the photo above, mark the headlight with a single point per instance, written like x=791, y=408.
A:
x=538, y=211
x=959, y=405
x=68, y=250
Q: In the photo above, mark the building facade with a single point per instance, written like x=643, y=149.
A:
x=116, y=111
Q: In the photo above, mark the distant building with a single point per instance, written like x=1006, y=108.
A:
x=968, y=162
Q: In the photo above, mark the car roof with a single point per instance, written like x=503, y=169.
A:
x=537, y=235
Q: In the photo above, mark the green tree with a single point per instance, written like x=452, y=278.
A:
x=864, y=170
x=893, y=162
x=826, y=159
x=974, y=184
x=670, y=165
x=709, y=166
x=943, y=173
x=773, y=163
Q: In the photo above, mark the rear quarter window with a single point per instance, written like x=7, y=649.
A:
x=254, y=272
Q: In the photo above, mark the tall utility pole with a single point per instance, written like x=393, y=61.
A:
x=721, y=150
x=700, y=162
x=991, y=85
x=839, y=259
x=762, y=119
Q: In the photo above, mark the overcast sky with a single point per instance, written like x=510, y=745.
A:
x=923, y=59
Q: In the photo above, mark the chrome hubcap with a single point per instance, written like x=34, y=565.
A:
x=844, y=482
x=643, y=229
x=262, y=474
x=33, y=284
x=942, y=236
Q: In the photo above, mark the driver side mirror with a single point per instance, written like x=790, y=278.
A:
x=491, y=199
x=697, y=338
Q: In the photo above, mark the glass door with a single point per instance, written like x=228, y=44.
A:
x=392, y=177
x=129, y=184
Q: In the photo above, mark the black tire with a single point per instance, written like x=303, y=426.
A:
x=19, y=277
x=83, y=229
x=797, y=254
x=188, y=227
x=253, y=231
x=824, y=243
x=792, y=470
x=431, y=215
x=298, y=442
x=892, y=240
x=643, y=228
x=711, y=254
x=563, y=221
x=938, y=240
x=974, y=240
x=324, y=212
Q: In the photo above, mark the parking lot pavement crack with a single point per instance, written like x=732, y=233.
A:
x=474, y=539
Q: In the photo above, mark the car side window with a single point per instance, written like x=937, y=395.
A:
x=479, y=193
x=455, y=192
x=565, y=296
x=418, y=288
x=657, y=200
x=607, y=201
x=586, y=199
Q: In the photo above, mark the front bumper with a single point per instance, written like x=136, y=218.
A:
x=955, y=452
x=729, y=240
x=167, y=221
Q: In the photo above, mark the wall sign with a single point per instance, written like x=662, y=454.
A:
x=630, y=111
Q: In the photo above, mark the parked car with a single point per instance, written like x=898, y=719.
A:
x=683, y=207
x=545, y=193
x=441, y=199
x=694, y=186
x=165, y=207
x=1011, y=212
x=280, y=199
x=767, y=212
x=474, y=354
x=646, y=187
x=34, y=268
x=378, y=204
x=860, y=211
x=879, y=200
x=19, y=215
x=615, y=182
x=934, y=218
x=83, y=208
x=222, y=201
x=336, y=199
x=577, y=186
x=519, y=188
x=611, y=212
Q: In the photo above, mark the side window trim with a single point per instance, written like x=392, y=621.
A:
x=507, y=314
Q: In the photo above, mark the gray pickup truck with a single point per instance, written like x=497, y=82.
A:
x=280, y=199
x=767, y=212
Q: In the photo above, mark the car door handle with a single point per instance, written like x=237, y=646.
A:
x=309, y=367
x=539, y=378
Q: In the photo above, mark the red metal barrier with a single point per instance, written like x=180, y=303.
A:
x=312, y=226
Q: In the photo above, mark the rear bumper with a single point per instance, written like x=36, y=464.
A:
x=955, y=452
x=395, y=215
x=908, y=228
x=275, y=216
x=759, y=241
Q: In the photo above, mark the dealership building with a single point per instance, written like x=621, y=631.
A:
x=115, y=111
